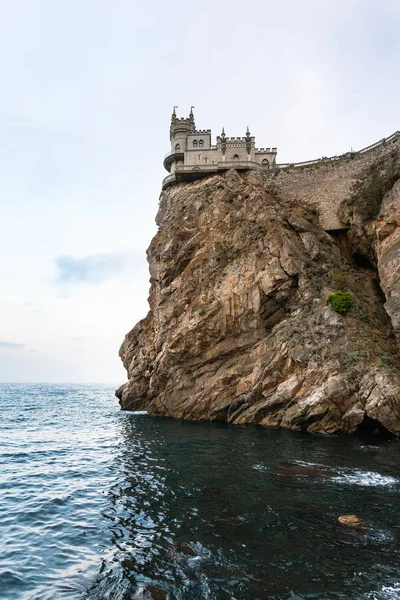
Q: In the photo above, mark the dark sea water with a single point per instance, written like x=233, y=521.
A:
x=96, y=503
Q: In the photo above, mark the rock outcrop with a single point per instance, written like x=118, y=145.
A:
x=239, y=328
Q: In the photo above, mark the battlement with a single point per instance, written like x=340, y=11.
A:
x=267, y=150
x=199, y=131
x=241, y=140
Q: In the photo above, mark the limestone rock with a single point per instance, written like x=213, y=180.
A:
x=387, y=248
x=351, y=521
x=239, y=329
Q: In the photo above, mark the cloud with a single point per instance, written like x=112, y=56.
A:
x=97, y=268
x=11, y=345
x=32, y=306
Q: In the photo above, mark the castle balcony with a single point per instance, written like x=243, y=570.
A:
x=170, y=158
x=168, y=180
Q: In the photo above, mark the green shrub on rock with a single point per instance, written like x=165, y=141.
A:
x=341, y=302
x=377, y=179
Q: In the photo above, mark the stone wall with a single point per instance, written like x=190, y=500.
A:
x=198, y=156
x=327, y=182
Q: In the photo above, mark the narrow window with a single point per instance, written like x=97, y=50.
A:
x=201, y=143
x=177, y=148
x=265, y=162
x=235, y=157
x=194, y=143
x=205, y=159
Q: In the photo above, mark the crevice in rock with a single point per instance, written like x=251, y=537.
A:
x=361, y=261
x=177, y=270
x=370, y=427
x=339, y=237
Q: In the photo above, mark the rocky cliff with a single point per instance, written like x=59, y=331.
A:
x=239, y=327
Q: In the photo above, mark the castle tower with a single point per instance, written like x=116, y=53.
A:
x=180, y=129
x=178, y=132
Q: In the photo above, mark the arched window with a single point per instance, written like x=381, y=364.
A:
x=265, y=162
x=195, y=143
x=177, y=148
x=201, y=143
x=236, y=157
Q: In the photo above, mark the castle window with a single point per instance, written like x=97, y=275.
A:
x=195, y=143
x=265, y=162
x=236, y=157
x=205, y=159
x=177, y=148
x=201, y=143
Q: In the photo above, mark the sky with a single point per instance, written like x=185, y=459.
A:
x=88, y=88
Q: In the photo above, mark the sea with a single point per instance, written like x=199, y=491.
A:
x=96, y=503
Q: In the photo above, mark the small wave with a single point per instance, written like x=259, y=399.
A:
x=364, y=478
x=355, y=476
x=259, y=467
x=140, y=412
x=388, y=592
x=304, y=463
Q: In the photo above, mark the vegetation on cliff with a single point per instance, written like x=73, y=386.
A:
x=369, y=190
x=341, y=302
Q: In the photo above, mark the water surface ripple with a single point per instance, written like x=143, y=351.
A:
x=100, y=504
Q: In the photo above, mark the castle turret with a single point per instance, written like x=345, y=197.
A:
x=178, y=133
x=180, y=129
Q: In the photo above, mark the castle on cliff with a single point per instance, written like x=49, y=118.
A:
x=193, y=155
x=323, y=182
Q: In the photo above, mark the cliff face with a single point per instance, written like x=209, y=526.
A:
x=239, y=328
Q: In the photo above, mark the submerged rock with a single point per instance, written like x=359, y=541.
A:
x=182, y=548
x=239, y=329
x=351, y=521
x=212, y=490
x=151, y=593
x=227, y=514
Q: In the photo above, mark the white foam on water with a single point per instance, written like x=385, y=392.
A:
x=259, y=467
x=371, y=448
x=363, y=478
x=304, y=463
x=346, y=476
x=140, y=412
x=388, y=592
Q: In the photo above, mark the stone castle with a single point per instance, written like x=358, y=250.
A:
x=323, y=182
x=193, y=155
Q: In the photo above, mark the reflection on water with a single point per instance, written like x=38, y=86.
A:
x=136, y=507
x=211, y=511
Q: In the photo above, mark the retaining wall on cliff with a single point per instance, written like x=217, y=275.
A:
x=326, y=182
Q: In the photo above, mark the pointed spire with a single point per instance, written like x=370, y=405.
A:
x=248, y=141
x=223, y=143
x=191, y=120
x=174, y=113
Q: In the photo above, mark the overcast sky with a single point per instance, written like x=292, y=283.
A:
x=87, y=92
